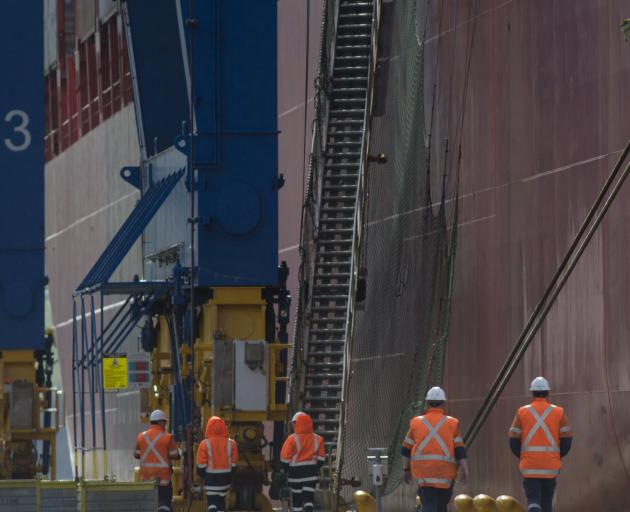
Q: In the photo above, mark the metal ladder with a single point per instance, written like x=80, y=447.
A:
x=331, y=285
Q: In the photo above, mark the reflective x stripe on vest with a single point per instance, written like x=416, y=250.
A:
x=151, y=449
x=433, y=434
x=540, y=471
x=298, y=449
x=229, y=457
x=435, y=481
x=540, y=424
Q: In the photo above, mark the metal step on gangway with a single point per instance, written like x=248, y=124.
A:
x=338, y=225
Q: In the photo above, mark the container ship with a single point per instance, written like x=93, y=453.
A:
x=438, y=160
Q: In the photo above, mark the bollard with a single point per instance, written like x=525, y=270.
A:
x=509, y=504
x=364, y=501
x=484, y=503
x=464, y=503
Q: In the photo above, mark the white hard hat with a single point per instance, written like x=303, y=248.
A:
x=158, y=415
x=539, y=384
x=436, y=394
x=296, y=416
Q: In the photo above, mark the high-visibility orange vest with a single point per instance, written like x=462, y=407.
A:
x=432, y=439
x=304, y=447
x=540, y=426
x=217, y=453
x=155, y=447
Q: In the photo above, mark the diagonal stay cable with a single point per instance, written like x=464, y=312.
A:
x=582, y=238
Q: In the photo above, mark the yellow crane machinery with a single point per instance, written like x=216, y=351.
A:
x=29, y=413
x=213, y=304
x=235, y=374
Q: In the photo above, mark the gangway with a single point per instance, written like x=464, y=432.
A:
x=336, y=189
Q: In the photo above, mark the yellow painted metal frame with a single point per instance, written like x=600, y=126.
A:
x=18, y=365
x=232, y=313
x=237, y=313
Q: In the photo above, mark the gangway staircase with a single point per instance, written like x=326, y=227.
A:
x=327, y=323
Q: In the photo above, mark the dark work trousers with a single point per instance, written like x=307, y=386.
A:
x=434, y=499
x=539, y=492
x=302, y=481
x=216, y=486
x=165, y=498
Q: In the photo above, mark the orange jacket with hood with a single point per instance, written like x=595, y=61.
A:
x=217, y=453
x=303, y=448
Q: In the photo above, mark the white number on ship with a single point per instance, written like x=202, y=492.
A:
x=21, y=139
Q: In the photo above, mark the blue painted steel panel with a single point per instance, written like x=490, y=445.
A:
x=235, y=82
x=130, y=231
x=22, y=174
x=156, y=50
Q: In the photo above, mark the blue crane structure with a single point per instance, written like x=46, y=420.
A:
x=22, y=278
x=27, y=435
x=212, y=304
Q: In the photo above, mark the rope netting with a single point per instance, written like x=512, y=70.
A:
x=408, y=252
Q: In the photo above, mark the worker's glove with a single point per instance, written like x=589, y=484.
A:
x=407, y=475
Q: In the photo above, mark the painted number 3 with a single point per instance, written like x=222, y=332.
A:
x=21, y=138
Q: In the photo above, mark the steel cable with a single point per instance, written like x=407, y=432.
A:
x=570, y=260
x=397, y=346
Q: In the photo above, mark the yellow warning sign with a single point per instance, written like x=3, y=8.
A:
x=115, y=372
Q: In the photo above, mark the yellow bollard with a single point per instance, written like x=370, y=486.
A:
x=464, y=503
x=484, y=503
x=364, y=501
x=509, y=504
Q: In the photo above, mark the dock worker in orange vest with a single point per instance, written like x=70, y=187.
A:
x=432, y=451
x=156, y=449
x=217, y=457
x=540, y=436
x=302, y=455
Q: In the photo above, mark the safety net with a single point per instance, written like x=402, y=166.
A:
x=407, y=249
x=407, y=255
